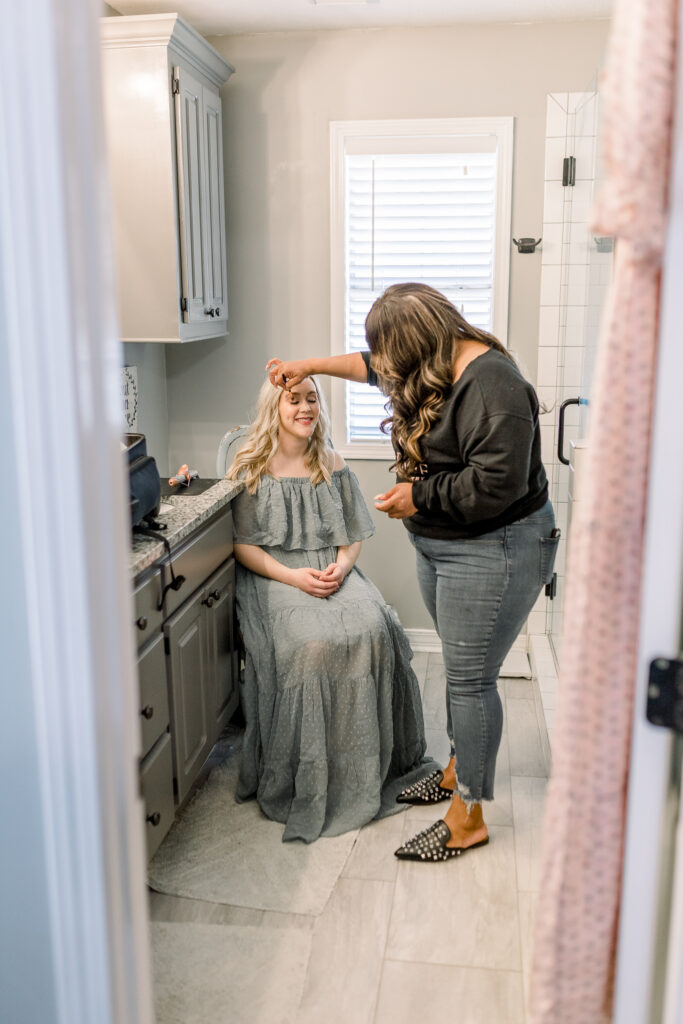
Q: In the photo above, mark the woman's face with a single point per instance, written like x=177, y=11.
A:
x=299, y=410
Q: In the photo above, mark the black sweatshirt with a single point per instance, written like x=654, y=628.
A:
x=482, y=456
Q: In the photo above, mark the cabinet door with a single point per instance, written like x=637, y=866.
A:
x=221, y=643
x=156, y=782
x=153, y=691
x=192, y=725
x=215, y=261
x=190, y=142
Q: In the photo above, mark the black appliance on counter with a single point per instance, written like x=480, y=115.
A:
x=145, y=483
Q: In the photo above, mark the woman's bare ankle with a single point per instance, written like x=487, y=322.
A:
x=448, y=781
x=466, y=827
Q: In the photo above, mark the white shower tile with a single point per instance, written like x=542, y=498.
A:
x=576, y=100
x=578, y=285
x=548, y=325
x=546, y=395
x=597, y=293
x=547, y=440
x=547, y=365
x=556, y=115
x=551, y=246
x=554, y=156
x=587, y=115
x=553, y=203
x=536, y=622
x=582, y=200
x=550, y=285
x=579, y=243
x=574, y=334
x=561, y=555
x=584, y=151
x=604, y=263
x=573, y=365
x=561, y=515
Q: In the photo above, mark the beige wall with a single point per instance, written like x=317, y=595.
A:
x=277, y=109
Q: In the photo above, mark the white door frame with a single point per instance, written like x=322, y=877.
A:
x=72, y=657
x=649, y=826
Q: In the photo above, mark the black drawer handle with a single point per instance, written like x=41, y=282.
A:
x=147, y=712
x=208, y=601
x=216, y=595
x=141, y=622
x=154, y=819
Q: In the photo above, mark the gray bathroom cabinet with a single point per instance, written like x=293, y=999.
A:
x=187, y=666
x=163, y=118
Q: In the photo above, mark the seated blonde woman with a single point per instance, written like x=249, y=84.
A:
x=334, y=726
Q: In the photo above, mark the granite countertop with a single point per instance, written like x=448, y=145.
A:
x=188, y=512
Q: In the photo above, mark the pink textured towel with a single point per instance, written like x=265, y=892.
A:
x=578, y=909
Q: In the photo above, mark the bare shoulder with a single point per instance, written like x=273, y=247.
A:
x=338, y=462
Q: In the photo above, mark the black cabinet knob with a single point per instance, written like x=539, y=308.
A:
x=141, y=622
x=147, y=712
x=218, y=310
x=208, y=601
x=216, y=595
x=154, y=819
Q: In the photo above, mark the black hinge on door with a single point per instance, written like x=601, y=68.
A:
x=569, y=170
x=183, y=305
x=175, y=88
x=665, y=693
x=551, y=588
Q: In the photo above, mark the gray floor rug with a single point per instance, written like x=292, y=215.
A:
x=225, y=852
x=199, y=970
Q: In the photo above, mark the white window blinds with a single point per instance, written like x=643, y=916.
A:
x=428, y=217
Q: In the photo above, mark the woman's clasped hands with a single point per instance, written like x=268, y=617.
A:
x=317, y=582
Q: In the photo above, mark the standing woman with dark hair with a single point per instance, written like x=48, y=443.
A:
x=473, y=495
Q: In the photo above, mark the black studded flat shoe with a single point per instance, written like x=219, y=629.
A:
x=430, y=845
x=427, y=791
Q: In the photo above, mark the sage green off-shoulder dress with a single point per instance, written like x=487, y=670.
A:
x=334, y=726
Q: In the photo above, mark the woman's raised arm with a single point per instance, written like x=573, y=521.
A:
x=287, y=374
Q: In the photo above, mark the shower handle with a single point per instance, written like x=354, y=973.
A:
x=560, y=427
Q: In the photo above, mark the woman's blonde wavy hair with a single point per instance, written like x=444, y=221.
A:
x=262, y=441
x=414, y=333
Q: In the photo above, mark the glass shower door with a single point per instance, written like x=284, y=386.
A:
x=585, y=270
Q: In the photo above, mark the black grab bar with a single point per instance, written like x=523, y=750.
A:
x=560, y=426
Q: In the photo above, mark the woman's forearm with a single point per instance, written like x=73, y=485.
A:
x=259, y=561
x=350, y=366
x=347, y=556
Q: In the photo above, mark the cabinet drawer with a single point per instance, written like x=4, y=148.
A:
x=198, y=559
x=156, y=780
x=153, y=694
x=148, y=616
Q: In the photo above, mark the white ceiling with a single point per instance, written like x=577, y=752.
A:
x=232, y=17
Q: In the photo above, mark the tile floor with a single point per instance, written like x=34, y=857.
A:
x=397, y=942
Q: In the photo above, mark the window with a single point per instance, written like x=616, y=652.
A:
x=414, y=201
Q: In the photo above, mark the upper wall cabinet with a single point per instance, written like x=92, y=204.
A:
x=165, y=145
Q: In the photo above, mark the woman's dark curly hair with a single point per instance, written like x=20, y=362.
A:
x=414, y=332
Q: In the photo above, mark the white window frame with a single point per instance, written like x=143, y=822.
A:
x=406, y=131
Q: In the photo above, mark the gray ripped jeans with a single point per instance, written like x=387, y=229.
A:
x=479, y=592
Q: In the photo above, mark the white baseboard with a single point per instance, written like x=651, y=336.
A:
x=423, y=640
x=516, y=663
